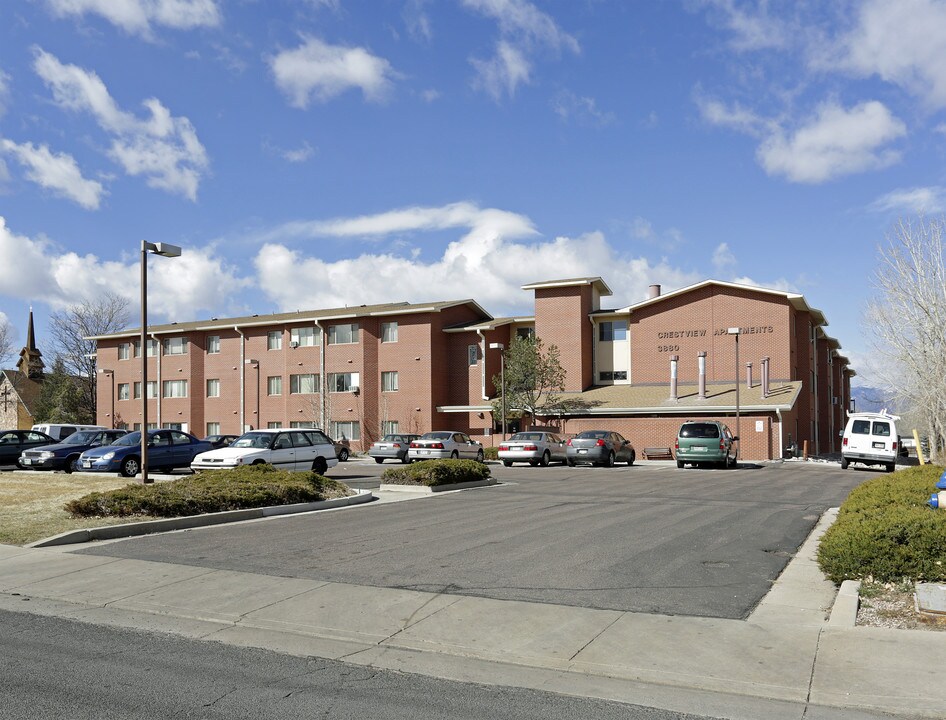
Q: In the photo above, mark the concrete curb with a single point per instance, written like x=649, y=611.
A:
x=111, y=532
x=438, y=488
x=844, y=612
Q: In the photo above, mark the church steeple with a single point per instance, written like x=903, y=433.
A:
x=31, y=359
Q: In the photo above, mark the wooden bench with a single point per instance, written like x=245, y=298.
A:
x=658, y=453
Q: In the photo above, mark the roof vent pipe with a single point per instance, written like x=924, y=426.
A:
x=749, y=375
x=765, y=377
x=702, y=363
x=673, y=376
x=653, y=291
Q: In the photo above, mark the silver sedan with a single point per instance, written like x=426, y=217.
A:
x=443, y=444
x=535, y=448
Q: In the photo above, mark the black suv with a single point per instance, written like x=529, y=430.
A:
x=65, y=455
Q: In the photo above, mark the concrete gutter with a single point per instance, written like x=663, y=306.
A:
x=428, y=489
x=111, y=532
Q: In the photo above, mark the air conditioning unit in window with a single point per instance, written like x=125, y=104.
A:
x=355, y=389
x=294, y=344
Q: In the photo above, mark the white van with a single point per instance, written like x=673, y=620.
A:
x=62, y=431
x=871, y=439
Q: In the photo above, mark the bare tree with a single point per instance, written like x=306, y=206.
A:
x=907, y=319
x=6, y=341
x=106, y=314
x=534, y=379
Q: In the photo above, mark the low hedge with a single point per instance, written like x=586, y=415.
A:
x=436, y=472
x=491, y=453
x=887, y=532
x=206, y=492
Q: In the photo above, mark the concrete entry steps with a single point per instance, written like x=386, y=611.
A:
x=786, y=660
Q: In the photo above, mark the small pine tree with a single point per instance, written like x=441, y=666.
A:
x=60, y=400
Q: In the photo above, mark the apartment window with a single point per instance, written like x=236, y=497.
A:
x=175, y=346
x=343, y=334
x=152, y=389
x=213, y=428
x=525, y=333
x=273, y=425
x=213, y=345
x=274, y=340
x=389, y=381
x=152, y=348
x=343, y=382
x=608, y=375
x=389, y=427
x=124, y=351
x=306, y=384
x=174, y=388
x=389, y=332
x=612, y=331
x=347, y=430
x=274, y=385
x=124, y=391
x=305, y=336
x=213, y=387
x=472, y=354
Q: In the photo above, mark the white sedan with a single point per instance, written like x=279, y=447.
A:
x=297, y=449
x=535, y=448
x=444, y=444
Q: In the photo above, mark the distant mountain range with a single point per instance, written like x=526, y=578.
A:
x=871, y=399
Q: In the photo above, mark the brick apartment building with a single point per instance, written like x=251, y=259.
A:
x=360, y=372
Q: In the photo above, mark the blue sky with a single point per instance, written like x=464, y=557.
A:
x=317, y=153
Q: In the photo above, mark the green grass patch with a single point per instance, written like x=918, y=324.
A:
x=207, y=492
x=431, y=473
x=886, y=532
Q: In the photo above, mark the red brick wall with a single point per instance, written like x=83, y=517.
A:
x=561, y=319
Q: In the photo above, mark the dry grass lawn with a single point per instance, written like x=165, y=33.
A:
x=31, y=503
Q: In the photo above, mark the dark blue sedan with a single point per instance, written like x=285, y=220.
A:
x=167, y=449
x=65, y=455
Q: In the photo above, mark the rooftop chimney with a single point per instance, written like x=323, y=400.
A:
x=653, y=291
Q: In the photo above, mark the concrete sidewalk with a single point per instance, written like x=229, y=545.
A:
x=787, y=660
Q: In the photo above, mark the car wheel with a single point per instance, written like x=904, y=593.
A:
x=844, y=463
x=480, y=457
x=610, y=460
x=507, y=463
x=343, y=455
x=130, y=466
x=319, y=465
x=72, y=464
x=631, y=459
x=380, y=460
x=546, y=458
x=570, y=462
x=891, y=467
x=404, y=460
x=680, y=464
x=454, y=455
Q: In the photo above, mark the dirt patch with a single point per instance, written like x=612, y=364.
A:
x=892, y=605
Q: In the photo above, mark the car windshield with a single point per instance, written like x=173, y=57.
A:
x=700, y=430
x=132, y=438
x=391, y=438
x=593, y=434
x=437, y=436
x=253, y=440
x=528, y=436
x=84, y=437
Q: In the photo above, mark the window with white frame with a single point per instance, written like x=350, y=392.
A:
x=389, y=381
x=389, y=427
x=274, y=385
x=305, y=336
x=174, y=388
x=175, y=346
x=152, y=345
x=350, y=430
x=343, y=382
x=213, y=387
x=304, y=384
x=152, y=389
x=611, y=375
x=343, y=334
x=611, y=331
x=213, y=344
x=388, y=332
x=273, y=425
x=124, y=391
x=473, y=354
x=213, y=428
x=274, y=340
x=124, y=351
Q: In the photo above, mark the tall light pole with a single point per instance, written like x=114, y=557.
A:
x=251, y=361
x=502, y=379
x=103, y=371
x=736, y=332
x=167, y=250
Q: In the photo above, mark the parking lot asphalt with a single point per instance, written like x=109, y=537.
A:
x=649, y=538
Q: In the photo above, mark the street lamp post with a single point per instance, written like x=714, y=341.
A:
x=255, y=363
x=103, y=371
x=736, y=332
x=167, y=250
x=502, y=379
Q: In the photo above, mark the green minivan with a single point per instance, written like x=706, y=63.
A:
x=706, y=442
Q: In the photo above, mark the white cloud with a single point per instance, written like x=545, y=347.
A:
x=321, y=71
x=836, y=141
x=430, y=95
x=299, y=154
x=417, y=20
x=57, y=172
x=569, y=106
x=4, y=92
x=37, y=270
x=137, y=16
x=524, y=29
x=724, y=261
x=918, y=201
x=496, y=244
x=901, y=42
x=751, y=29
x=162, y=148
